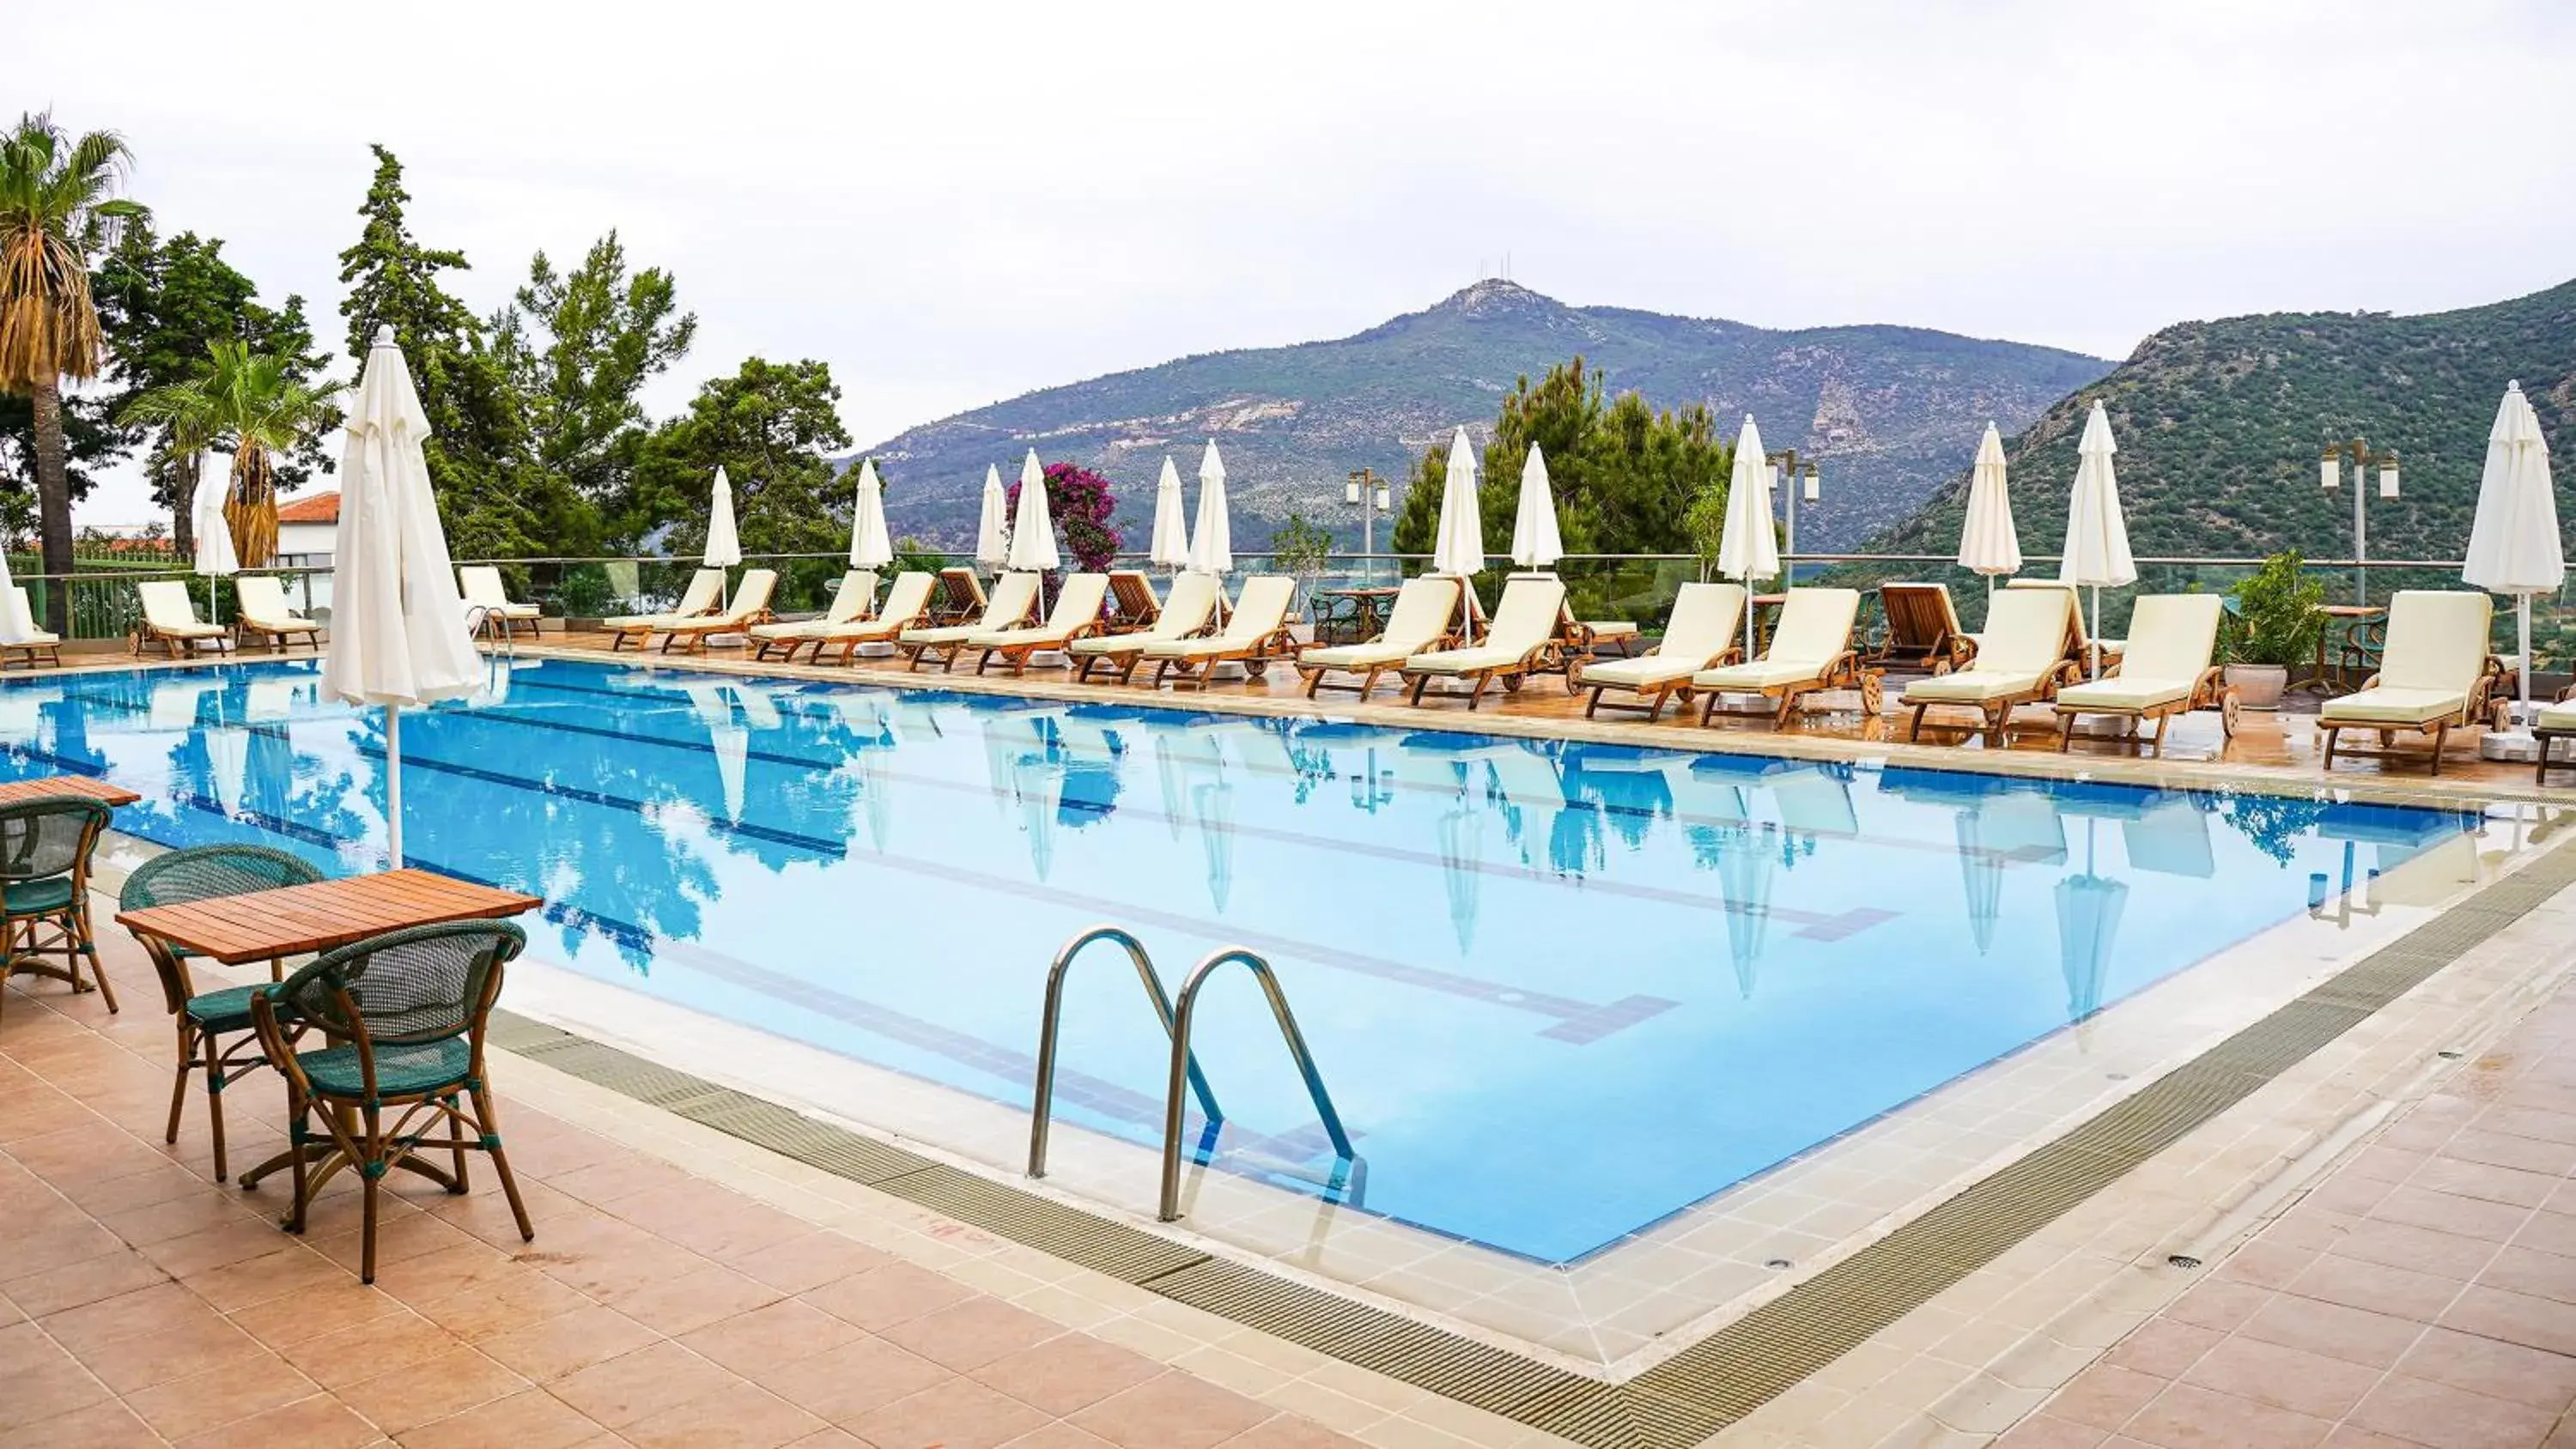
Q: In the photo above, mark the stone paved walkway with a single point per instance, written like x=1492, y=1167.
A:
x=143, y=1304
x=2423, y=1294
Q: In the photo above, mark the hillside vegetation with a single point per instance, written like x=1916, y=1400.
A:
x=2219, y=425
x=1888, y=411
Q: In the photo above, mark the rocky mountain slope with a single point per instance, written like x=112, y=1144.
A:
x=2220, y=423
x=1888, y=412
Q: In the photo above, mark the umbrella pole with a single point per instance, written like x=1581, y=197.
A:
x=393, y=788
x=2096, y=634
x=2522, y=674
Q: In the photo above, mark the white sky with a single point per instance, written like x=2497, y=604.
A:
x=956, y=203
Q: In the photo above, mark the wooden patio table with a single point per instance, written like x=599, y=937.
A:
x=294, y=920
x=88, y=786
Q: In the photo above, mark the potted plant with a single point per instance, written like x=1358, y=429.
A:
x=2278, y=618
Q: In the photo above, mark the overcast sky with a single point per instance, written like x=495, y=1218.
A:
x=956, y=203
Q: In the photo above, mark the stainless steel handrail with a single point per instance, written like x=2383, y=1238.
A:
x=1183, y=1065
x=1042, y=1108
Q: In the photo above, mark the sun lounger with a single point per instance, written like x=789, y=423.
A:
x=1922, y=629
x=1811, y=649
x=2166, y=669
x=1187, y=613
x=750, y=607
x=2021, y=659
x=704, y=596
x=1014, y=603
x=1132, y=605
x=2079, y=638
x=481, y=584
x=907, y=604
x=2434, y=675
x=2555, y=722
x=1076, y=615
x=170, y=620
x=1701, y=634
x=1424, y=617
x=30, y=645
x=1254, y=634
x=961, y=598
x=849, y=605
x=260, y=609
x=1523, y=632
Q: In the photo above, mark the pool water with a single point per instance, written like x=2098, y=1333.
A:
x=1557, y=991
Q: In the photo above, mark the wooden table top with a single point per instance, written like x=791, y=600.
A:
x=292, y=920
x=86, y=785
x=2352, y=611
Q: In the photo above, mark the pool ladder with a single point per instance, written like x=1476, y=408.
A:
x=1185, y=1076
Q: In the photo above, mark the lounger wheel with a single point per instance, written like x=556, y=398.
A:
x=1873, y=695
x=2229, y=707
x=1255, y=668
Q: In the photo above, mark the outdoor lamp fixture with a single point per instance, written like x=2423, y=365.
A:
x=2330, y=465
x=1368, y=493
x=1807, y=486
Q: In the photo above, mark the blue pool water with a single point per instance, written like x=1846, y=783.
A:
x=1558, y=992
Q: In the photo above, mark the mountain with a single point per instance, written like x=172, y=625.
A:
x=1887, y=412
x=2220, y=423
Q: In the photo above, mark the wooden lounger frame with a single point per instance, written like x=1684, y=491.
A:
x=33, y=654
x=1541, y=658
x=1653, y=698
x=275, y=636
x=1846, y=671
x=2210, y=691
x=1996, y=713
x=1132, y=603
x=1254, y=655
x=959, y=598
x=1949, y=649
x=2480, y=703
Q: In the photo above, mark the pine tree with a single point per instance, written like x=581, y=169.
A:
x=477, y=452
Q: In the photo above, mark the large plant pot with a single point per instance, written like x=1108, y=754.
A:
x=2258, y=686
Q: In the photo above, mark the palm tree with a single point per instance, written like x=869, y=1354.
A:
x=57, y=209
x=252, y=403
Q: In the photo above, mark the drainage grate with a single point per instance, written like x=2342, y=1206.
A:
x=1705, y=1387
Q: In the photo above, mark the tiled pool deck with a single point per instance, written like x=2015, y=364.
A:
x=753, y=1300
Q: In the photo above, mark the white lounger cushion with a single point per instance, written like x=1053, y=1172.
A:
x=2559, y=716
x=1424, y=608
x=849, y=605
x=704, y=594
x=2025, y=639
x=903, y=604
x=1012, y=597
x=2437, y=647
x=2172, y=638
x=167, y=608
x=23, y=617
x=1258, y=613
x=1814, y=630
x=1186, y=612
x=1523, y=623
x=482, y=586
x=263, y=603
x=1702, y=627
x=1077, y=606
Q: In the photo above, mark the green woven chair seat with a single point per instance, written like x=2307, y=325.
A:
x=400, y=1070
x=228, y=1009
x=36, y=897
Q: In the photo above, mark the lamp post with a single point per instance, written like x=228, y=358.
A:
x=2330, y=473
x=1784, y=469
x=1368, y=493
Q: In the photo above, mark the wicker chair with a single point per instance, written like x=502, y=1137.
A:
x=206, y=1018
x=409, y=1010
x=45, y=848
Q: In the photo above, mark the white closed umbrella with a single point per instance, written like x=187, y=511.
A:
x=993, y=524
x=1032, y=528
x=1988, y=544
x=15, y=628
x=2514, y=546
x=1459, y=545
x=1211, y=537
x=398, y=635
x=724, y=545
x=1171, y=542
x=1535, y=543
x=871, y=547
x=2097, y=536
x=1748, y=549
x=215, y=557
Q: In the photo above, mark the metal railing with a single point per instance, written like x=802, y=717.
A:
x=1640, y=587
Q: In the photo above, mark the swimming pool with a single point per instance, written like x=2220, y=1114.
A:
x=1558, y=991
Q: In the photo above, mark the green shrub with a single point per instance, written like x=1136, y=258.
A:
x=2279, y=614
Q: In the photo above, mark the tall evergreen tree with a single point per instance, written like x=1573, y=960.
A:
x=772, y=426
x=477, y=452
x=163, y=304
x=579, y=348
